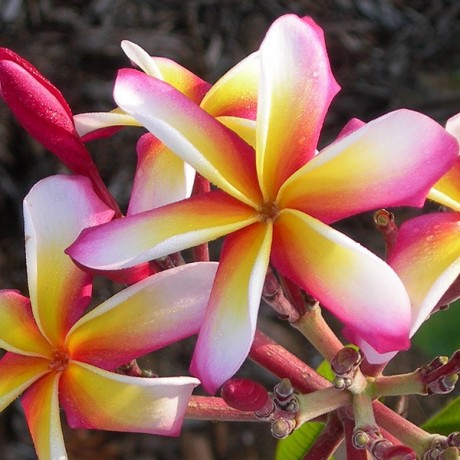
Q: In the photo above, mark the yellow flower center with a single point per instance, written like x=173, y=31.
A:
x=268, y=212
x=60, y=360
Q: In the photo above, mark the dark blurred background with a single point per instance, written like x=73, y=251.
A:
x=385, y=54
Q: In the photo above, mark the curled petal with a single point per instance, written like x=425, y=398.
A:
x=235, y=94
x=141, y=237
x=373, y=167
x=41, y=407
x=161, y=177
x=195, y=136
x=168, y=71
x=427, y=259
x=228, y=329
x=56, y=210
x=350, y=281
x=94, y=398
x=18, y=373
x=18, y=330
x=151, y=314
x=447, y=190
x=296, y=88
x=453, y=126
x=97, y=125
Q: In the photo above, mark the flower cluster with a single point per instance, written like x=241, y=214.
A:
x=237, y=159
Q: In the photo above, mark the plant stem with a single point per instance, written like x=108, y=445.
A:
x=320, y=402
x=313, y=326
x=212, y=408
x=282, y=363
x=407, y=433
x=398, y=385
x=327, y=442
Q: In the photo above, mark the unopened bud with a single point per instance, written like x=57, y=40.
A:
x=360, y=439
x=345, y=362
x=451, y=453
x=245, y=395
x=385, y=450
x=342, y=383
x=282, y=428
x=443, y=385
x=454, y=439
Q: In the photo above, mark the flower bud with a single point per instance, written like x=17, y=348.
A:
x=244, y=394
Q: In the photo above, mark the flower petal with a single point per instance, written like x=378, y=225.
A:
x=18, y=373
x=427, y=259
x=161, y=177
x=56, y=210
x=94, y=398
x=373, y=167
x=167, y=70
x=228, y=329
x=141, y=237
x=41, y=407
x=195, y=136
x=18, y=330
x=93, y=125
x=296, y=88
x=149, y=315
x=43, y=112
x=246, y=129
x=235, y=93
x=350, y=281
x=447, y=190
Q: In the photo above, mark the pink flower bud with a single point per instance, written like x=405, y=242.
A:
x=244, y=394
x=44, y=113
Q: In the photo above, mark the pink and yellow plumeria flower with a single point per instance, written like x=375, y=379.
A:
x=278, y=201
x=44, y=113
x=161, y=176
x=426, y=255
x=56, y=356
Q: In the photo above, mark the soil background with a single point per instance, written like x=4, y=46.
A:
x=385, y=54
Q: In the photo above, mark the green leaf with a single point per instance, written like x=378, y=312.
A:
x=295, y=446
x=446, y=421
x=439, y=334
x=324, y=369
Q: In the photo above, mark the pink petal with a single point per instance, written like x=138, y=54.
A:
x=18, y=330
x=453, y=126
x=149, y=315
x=192, y=134
x=350, y=281
x=98, y=125
x=372, y=168
x=161, y=177
x=296, y=88
x=56, y=210
x=141, y=237
x=41, y=407
x=427, y=259
x=43, y=112
x=228, y=329
x=18, y=373
x=94, y=398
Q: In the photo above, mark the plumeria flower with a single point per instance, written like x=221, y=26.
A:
x=161, y=176
x=427, y=252
x=44, y=113
x=278, y=201
x=59, y=357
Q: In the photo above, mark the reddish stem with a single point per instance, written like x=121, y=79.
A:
x=212, y=408
x=352, y=451
x=328, y=440
x=279, y=361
